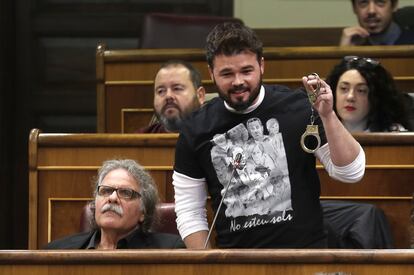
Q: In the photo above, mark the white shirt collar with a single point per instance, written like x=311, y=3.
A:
x=252, y=107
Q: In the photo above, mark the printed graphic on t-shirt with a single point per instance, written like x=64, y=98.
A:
x=255, y=166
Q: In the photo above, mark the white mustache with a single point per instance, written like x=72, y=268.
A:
x=112, y=207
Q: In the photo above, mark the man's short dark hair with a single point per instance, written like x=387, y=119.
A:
x=231, y=38
x=393, y=2
x=195, y=75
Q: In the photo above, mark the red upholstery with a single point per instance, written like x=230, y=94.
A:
x=165, y=211
x=86, y=215
x=167, y=217
x=178, y=31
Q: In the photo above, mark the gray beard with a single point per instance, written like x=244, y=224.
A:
x=171, y=125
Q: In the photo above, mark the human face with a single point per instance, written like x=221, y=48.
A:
x=132, y=213
x=255, y=130
x=257, y=154
x=374, y=15
x=238, y=78
x=273, y=127
x=174, y=93
x=352, y=103
x=220, y=140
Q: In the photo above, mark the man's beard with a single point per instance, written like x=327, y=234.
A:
x=173, y=124
x=240, y=106
x=170, y=124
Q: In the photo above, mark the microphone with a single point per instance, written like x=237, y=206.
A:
x=237, y=164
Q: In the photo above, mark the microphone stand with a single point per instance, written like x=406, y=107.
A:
x=236, y=165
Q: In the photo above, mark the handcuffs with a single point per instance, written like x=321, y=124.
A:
x=312, y=130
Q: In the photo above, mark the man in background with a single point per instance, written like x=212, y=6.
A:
x=376, y=25
x=178, y=91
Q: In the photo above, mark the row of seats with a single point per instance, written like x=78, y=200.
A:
x=174, y=31
x=62, y=166
x=125, y=77
x=348, y=224
x=189, y=31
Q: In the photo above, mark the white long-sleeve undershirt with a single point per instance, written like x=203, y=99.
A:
x=191, y=193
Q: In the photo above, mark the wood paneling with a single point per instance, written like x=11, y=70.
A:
x=134, y=119
x=64, y=216
x=63, y=166
x=230, y=261
x=125, y=77
x=50, y=82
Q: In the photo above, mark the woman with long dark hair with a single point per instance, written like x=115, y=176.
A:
x=366, y=98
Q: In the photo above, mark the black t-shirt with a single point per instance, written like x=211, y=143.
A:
x=273, y=197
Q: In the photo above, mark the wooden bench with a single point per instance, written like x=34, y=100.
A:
x=125, y=77
x=62, y=167
x=207, y=262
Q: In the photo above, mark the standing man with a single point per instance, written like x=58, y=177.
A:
x=236, y=65
x=178, y=91
x=376, y=25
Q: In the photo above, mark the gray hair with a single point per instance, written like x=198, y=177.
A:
x=149, y=193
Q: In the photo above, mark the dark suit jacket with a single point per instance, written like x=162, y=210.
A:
x=138, y=240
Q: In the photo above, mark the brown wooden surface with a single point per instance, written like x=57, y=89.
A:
x=134, y=119
x=125, y=77
x=294, y=37
x=231, y=261
x=62, y=167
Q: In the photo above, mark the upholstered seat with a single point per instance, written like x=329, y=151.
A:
x=356, y=225
x=405, y=17
x=165, y=224
x=178, y=31
x=349, y=224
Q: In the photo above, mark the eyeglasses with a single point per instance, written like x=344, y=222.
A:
x=361, y=60
x=123, y=193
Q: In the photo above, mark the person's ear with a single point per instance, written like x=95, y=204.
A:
x=201, y=94
x=210, y=70
x=142, y=217
x=261, y=63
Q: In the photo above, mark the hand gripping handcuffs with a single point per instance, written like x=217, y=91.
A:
x=312, y=130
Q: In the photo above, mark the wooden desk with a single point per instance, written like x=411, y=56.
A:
x=125, y=77
x=231, y=261
x=62, y=166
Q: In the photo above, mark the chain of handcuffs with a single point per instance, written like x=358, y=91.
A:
x=312, y=129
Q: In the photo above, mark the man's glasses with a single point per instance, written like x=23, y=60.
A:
x=361, y=60
x=123, y=193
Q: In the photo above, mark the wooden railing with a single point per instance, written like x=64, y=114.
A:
x=125, y=77
x=231, y=261
x=62, y=167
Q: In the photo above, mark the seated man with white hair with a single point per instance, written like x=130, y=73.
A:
x=124, y=212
